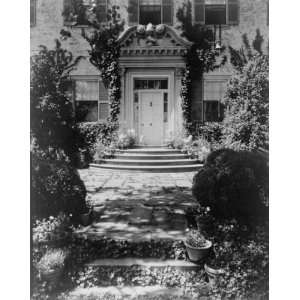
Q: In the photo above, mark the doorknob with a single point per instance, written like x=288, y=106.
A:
x=150, y=124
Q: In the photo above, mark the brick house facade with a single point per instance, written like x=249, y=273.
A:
x=151, y=67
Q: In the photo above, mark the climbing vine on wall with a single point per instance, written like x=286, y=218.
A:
x=200, y=58
x=105, y=53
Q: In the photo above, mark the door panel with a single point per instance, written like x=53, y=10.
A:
x=151, y=117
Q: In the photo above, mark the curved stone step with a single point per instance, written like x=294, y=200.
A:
x=152, y=151
x=137, y=162
x=139, y=156
x=163, y=168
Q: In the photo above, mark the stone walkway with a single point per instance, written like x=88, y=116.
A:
x=137, y=206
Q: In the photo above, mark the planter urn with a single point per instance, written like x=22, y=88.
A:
x=196, y=254
x=214, y=273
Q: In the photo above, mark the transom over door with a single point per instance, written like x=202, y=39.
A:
x=151, y=117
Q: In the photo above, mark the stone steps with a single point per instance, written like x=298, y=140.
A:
x=160, y=169
x=129, y=292
x=146, y=262
x=155, y=162
x=141, y=156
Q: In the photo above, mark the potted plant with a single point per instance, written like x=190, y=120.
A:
x=51, y=265
x=197, y=246
x=213, y=269
x=86, y=218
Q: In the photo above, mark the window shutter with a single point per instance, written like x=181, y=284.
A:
x=199, y=11
x=133, y=12
x=232, y=12
x=167, y=12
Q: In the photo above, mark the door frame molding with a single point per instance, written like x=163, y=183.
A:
x=151, y=73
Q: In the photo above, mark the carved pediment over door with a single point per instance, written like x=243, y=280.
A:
x=152, y=40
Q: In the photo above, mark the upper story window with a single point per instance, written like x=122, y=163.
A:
x=76, y=12
x=216, y=12
x=32, y=12
x=150, y=11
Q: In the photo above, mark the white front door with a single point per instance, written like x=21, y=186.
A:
x=151, y=117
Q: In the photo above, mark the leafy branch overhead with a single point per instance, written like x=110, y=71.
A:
x=201, y=57
x=105, y=53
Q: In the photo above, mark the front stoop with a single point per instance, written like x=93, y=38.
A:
x=150, y=159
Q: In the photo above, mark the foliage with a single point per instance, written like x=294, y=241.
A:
x=239, y=58
x=126, y=139
x=234, y=185
x=91, y=134
x=55, y=187
x=51, y=229
x=243, y=254
x=246, y=119
x=196, y=239
x=103, y=151
x=52, y=122
x=200, y=58
x=104, y=54
x=210, y=131
x=52, y=260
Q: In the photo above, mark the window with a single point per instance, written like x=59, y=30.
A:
x=32, y=12
x=214, y=91
x=151, y=84
x=91, y=101
x=150, y=11
x=75, y=11
x=216, y=12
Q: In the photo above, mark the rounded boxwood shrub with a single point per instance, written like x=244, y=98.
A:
x=234, y=185
x=55, y=187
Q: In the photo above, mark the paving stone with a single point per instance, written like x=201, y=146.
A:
x=141, y=215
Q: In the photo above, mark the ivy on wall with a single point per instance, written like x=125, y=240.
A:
x=105, y=53
x=200, y=58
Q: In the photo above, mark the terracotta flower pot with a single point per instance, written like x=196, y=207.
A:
x=86, y=219
x=53, y=276
x=197, y=254
x=214, y=274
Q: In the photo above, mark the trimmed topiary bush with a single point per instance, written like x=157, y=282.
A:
x=234, y=185
x=55, y=187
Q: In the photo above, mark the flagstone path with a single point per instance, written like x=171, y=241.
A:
x=137, y=206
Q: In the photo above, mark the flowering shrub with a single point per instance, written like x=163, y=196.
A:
x=246, y=121
x=52, y=260
x=196, y=239
x=51, y=229
x=233, y=184
x=126, y=139
x=101, y=151
x=55, y=187
x=52, y=122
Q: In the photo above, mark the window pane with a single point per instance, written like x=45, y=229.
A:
x=86, y=90
x=215, y=14
x=103, y=111
x=165, y=107
x=150, y=14
x=211, y=111
x=133, y=9
x=164, y=84
x=86, y=111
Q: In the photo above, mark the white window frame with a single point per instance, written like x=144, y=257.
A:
x=226, y=12
x=90, y=79
x=216, y=79
x=161, y=12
